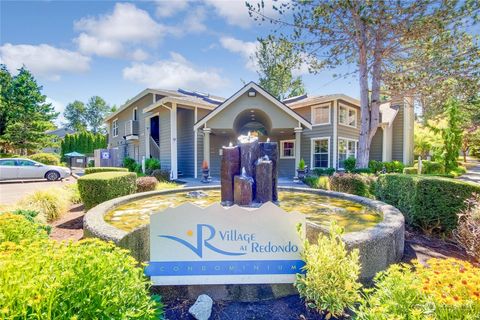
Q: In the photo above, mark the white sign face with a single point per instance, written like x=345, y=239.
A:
x=217, y=245
x=105, y=155
x=79, y=160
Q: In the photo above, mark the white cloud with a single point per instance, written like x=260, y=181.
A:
x=173, y=73
x=194, y=22
x=109, y=34
x=59, y=107
x=246, y=49
x=236, y=12
x=168, y=8
x=139, y=55
x=43, y=60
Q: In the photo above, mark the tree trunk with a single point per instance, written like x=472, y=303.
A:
x=364, y=143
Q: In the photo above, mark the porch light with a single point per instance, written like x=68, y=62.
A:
x=252, y=93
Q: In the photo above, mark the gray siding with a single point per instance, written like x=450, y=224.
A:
x=397, y=136
x=199, y=153
x=216, y=143
x=165, y=138
x=185, y=143
x=316, y=132
x=376, y=147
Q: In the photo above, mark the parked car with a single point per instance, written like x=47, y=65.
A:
x=20, y=168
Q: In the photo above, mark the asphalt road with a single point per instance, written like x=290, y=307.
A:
x=12, y=191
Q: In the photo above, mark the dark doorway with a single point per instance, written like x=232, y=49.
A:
x=155, y=128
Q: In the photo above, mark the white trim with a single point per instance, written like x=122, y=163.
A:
x=338, y=150
x=173, y=142
x=340, y=105
x=115, y=121
x=282, y=149
x=335, y=134
x=195, y=145
x=312, y=149
x=246, y=88
x=178, y=100
x=312, y=112
x=147, y=133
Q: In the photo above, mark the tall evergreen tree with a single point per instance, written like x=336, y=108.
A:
x=276, y=61
x=28, y=115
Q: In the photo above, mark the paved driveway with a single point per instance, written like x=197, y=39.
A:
x=472, y=175
x=11, y=192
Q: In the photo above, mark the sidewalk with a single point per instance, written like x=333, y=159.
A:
x=472, y=175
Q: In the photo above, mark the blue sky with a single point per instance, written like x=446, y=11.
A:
x=77, y=49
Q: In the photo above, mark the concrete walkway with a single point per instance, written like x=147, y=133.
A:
x=472, y=175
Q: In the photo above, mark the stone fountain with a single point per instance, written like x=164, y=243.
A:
x=249, y=173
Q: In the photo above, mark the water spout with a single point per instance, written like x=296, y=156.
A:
x=244, y=172
x=230, y=144
x=268, y=140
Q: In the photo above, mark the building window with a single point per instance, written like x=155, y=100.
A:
x=115, y=128
x=346, y=148
x=347, y=116
x=287, y=149
x=321, y=114
x=321, y=153
x=135, y=114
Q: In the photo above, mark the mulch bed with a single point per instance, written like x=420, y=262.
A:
x=70, y=226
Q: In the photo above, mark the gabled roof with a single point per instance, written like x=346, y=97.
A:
x=307, y=101
x=260, y=90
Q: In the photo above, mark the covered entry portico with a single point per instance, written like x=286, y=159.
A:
x=254, y=110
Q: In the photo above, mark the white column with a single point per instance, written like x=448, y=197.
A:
x=195, y=146
x=335, y=135
x=387, y=143
x=298, y=147
x=206, y=145
x=173, y=145
x=147, y=137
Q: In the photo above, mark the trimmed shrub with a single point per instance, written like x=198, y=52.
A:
x=468, y=229
x=324, y=172
x=129, y=163
x=349, y=164
x=46, y=158
x=458, y=171
x=89, y=279
x=145, y=184
x=362, y=170
x=432, y=167
x=357, y=184
x=104, y=169
x=100, y=187
x=16, y=228
x=445, y=289
x=429, y=203
x=161, y=175
x=321, y=182
x=410, y=170
x=51, y=203
x=150, y=165
x=375, y=166
x=330, y=283
x=394, y=166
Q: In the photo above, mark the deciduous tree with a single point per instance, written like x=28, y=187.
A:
x=96, y=111
x=75, y=115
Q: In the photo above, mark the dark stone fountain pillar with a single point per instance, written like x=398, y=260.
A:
x=243, y=190
x=263, y=172
x=249, y=153
x=230, y=167
x=270, y=149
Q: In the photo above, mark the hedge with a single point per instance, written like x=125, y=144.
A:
x=429, y=203
x=104, y=169
x=357, y=184
x=46, y=158
x=410, y=170
x=100, y=187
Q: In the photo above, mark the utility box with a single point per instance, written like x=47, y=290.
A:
x=108, y=157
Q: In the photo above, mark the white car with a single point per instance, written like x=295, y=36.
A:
x=20, y=169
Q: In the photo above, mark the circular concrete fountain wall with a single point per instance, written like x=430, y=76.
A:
x=379, y=246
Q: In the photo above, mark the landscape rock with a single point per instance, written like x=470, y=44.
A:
x=202, y=308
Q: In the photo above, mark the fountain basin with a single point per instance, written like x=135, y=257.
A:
x=380, y=244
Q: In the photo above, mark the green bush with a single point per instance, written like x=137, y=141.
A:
x=321, y=182
x=324, y=172
x=89, y=279
x=138, y=168
x=129, y=163
x=410, y=170
x=394, y=166
x=161, y=175
x=458, y=171
x=301, y=164
x=349, y=164
x=51, y=203
x=362, y=170
x=72, y=193
x=330, y=283
x=91, y=164
x=46, y=158
x=150, y=165
x=432, y=167
x=145, y=184
x=357, y=184
x=15, y=228
x=429, y=203
x=104, y=169
x=100, y=187
x=375, y=166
